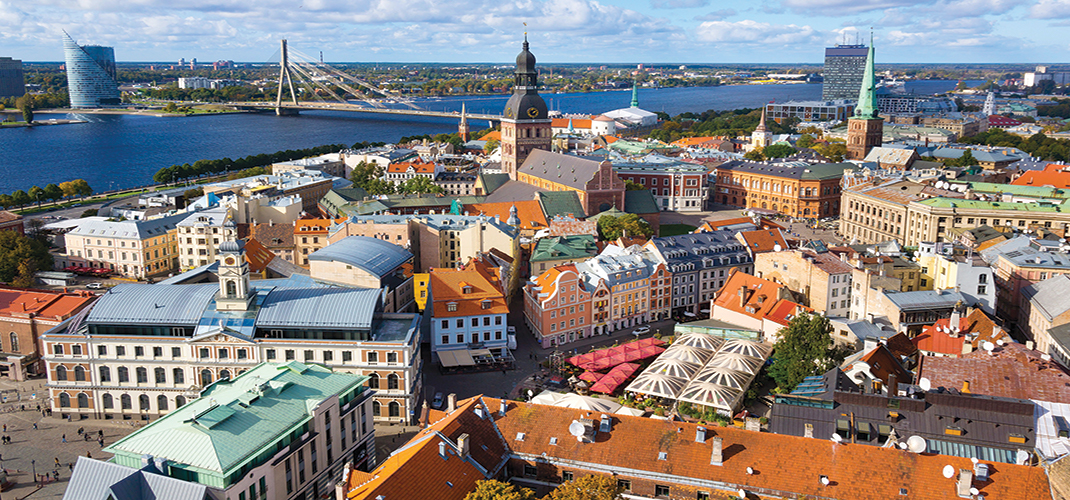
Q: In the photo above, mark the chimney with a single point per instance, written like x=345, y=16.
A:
x=146, y=460
x=716, y=457
x=442, y=449
x=479, y=411
x=451, y=402
x=1029, y=345
x=700, y=435
x=893, y=385
x=965, y=386
x=742, y=297
x=161, y=465
x=502, y=408
x=964, y=483
x=462, y=444
x=967, y=348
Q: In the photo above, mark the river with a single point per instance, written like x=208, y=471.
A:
x=118, y=151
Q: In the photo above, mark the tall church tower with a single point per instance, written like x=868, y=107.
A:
x=462, y=128
x=865, y=130
x=525, y=122
x=761, y=136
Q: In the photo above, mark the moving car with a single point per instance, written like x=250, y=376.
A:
x=94, y=286
x=641, y=330
x=436, y=403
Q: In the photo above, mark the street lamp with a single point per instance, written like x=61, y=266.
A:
x=33, y=463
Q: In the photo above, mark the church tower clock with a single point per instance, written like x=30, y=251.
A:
x=525, y=122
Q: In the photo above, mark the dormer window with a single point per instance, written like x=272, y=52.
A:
x=486, y=304
x=466, y=289
x=451, y=307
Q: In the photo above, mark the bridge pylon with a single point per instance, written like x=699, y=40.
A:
x=284, y=74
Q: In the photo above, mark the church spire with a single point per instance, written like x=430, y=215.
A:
x=635, y=95
x=867, y=95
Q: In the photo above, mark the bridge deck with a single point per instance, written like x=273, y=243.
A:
x=371, y=109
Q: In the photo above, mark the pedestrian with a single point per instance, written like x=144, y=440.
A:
x=5, y=427
x=101, y=433
x=80, y=430
x=88, y=455
x=38, y=407
x=101, y=441
x=70, y=466
x=35, y=426
x=57, y=461
x=64, y=438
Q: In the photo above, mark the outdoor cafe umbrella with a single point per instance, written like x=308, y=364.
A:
x=591, y=377
x=613, y=380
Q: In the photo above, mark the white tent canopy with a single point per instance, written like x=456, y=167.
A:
x=709, y=394
x=747, y=348
x=700, y=340
x=674, y=367
x=737, y=362
x=657, y=384
x=687, y=353
x=723, y=376
x=570, y=400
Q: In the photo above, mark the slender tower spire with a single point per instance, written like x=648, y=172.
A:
x=867, y=95
x=761, y=123
x=635, y=95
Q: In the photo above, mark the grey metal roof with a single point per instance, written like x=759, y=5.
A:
x=564, y=169
x=97, y=480
x=142, y=304
x=373, y=255
x=319, y=307
x=814, y=171
x=214, y=217
x=926, y=299
x=1051, y=296
x=705, y=250
x=128, y=229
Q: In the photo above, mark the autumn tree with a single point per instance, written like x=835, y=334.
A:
x=492, y=489
x=588, y=487
x=420, y=185
x=633, y=186
x=611, y=228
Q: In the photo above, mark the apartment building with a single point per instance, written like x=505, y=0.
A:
x=24, y=316
x=468, y=316
x=360, y=261
x=627, y=274
x=676, y=185
x=310, y=235
x=822, y=278
x=700, y=263
x=786, y=188
x=199, y=235
x=559, y=306
x=1020, y=262
x=944, y=267
x=757, y=304
x=132, y=248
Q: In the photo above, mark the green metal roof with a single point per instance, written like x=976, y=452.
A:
x=640, y=202
x=237, y=421
x=491, y=182
x=560, y=203
x=1016, y=190
x=818, y=171
x=564, y=247
x=867, y=94
x=992, y=205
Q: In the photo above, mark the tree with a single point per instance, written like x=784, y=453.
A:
x=420, y=185
x=53, y=192
x=611, y=228
x=37, y=194
x=192, y=194
x=20, y=254
x=492, y=489
x=20, y=198
x=82, y=188
x=6, y=201
x=633, y=186
x=69, y=189
x=588, y=488
x=491, y=145
x=805, y=348
x=170, y=108
x=754, y=155
x=805, y=141
x=778, y=151
x=834, y=151
x=25, y=104
x=966, y=160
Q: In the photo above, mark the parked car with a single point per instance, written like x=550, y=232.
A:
x=642, y=330
x=436, y=403
x=94, y=286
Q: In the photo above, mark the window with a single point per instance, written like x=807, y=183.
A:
x=373, y=381
x=102, y=350
x=206, y=377
x=290, y=355
x=139, y=351
x=703, y=495
x=530, y=470
x=289, y=478
x=624, y=484
x=176, y=352
x=124, y=374
x=376, y=409
x=142, y=375
x=57, y=349
x=109, y=403
x=243, y=354
x=105, y=374
x=178, y=375
x=347, y=356
x=161, y=402
x=566, y=475
x=395, y=409
x=204, y=352
x=661, y=490
x=392, y=381
x=179, y=401
x=445, y=324
x=391, y=357
x=373, y=357
x=143, y=402
x=270, y=354
x=157, y=352
x=310, y=355
x=64, y=400
x=224, y=354
x=328, y=356
x=161, y=375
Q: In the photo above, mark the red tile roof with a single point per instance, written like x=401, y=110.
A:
x=257, y=255
x=762, y=298
x=1053, y=175
x=21, y=302
x=784, y=466
x=417, y=166
x=577, y=123
x=934, y=339
x=315, y=226
x=1000, y=121
x=1011, y=371
x=528, y=211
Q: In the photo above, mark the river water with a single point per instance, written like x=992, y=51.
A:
x=117, y=151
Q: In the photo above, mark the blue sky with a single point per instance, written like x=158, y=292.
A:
x=562, y=31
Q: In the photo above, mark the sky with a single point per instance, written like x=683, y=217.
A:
x=560, y=31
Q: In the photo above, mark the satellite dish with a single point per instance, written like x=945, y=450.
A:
x=974, y=491
x=988, y=345
x=750, y=471
x=742, y=493
x=902, y=446
x=1000, y=342
x=576, y=429
x=916, y=444
x=974, y=460
x=825, y=480
x=1021, y=457
x=949, y=471
x=925, y=384
x=837, y=438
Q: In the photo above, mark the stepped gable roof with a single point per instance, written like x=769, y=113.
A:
x=1010, y=371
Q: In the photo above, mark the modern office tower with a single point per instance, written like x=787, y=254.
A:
x=12, y=83
x=844, y=65
x=91, y=80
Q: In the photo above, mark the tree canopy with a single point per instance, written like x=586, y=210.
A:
x=778, y=151
x=630, y=185
x=420, y=185
x=805, y=348
x=369, y=177
x=588, y=487
x=611, y=228
x=20, y=257
x=492, y=489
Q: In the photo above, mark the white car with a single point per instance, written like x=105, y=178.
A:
x=641, y=330
x=94, y=286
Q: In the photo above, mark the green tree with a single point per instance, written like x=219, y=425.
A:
x=492, y=489
x=20, y=198
x=170, y=108
x=805, y=348
x=21, y=255
x=754, y=155
x=25, y=104
x=633, y=186
x=805, y=141
x=588, y=488
x=37, y=194
x=778, y=151
x=420, y=185
x=491, y=145
x=82, y=187
x=966, y=160
x=834, y=151
x=192, y=194
x=69, y=189
x=53, y=192
x=6, y=201
x=611, y=228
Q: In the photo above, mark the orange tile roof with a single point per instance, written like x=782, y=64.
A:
x=713, y=225
x=6, y=216
x=577, y=123
x=1053, y=175
x=762, y=298
x=783, y=466
x=610, y=139
x=494, y=134
x=417, y=468
x=548, y=280
x=934, y=339
x=419, y=167
x=20, y=302
x=692, y=141
x=1011, y=371
x=315, y=226
x=529, y=212
x=447, y=287
x=763, y=240
x=257, y=255
x=883, y=363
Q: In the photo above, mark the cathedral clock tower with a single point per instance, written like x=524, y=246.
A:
x=234, y=292
x=865, y=130
x=525, y=122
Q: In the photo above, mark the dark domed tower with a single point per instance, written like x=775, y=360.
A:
x=525, y=122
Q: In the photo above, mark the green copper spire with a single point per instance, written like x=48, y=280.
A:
x=635, y=95
x=867, y=95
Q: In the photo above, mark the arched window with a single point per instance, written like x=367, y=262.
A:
x=105, y=374
x=232, y=289
x=14, y=342
x=64, y=400
x=179, y=376
x=83, y=400
x=394, y=408
x=79, y=373
x=179, y=401
x=124, y=400
x=142, y=375
x=124, y=374
x=161, y=375
x=206, y=377
x=392, y=381
x=161, y=402
x=143, y=402
x=375, y=409
x=373, y=382
x=61, y=372
x=108, y=402
x=224, y=375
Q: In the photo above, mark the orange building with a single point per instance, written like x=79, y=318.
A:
x=26, y=314
x=798, y=191
x=468, y=316
x=310, y=235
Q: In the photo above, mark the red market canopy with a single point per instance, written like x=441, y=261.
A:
x=615, y=378
x=608, y=358
x=591, y=377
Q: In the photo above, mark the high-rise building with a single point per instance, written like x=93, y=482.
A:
x=525, y=122
x=865, y=130
x=844, y=65
x=91, y=79
x=12, y=83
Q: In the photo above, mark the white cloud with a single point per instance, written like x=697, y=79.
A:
x=1050, y=9
x=716, y=15
x=836, y=8
x=678, y=4
x=754, y=32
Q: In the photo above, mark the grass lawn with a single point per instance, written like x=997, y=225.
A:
x=675, y=229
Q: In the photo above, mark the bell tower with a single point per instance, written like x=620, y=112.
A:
x=525, y=121
x=234, y=292
x=865, y=130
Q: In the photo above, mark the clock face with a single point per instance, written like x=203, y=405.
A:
x=533, y=112
x=229, y=261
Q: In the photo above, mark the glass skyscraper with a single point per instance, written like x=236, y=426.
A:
x=12, y=83
x=91, y=80
x=844, y=66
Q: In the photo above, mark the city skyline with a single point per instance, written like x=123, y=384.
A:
x=566, y=31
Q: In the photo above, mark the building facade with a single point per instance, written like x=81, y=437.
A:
x=91, y=77
x=844, y=67
x=468, y=316
x=559, y=303
x=132, y=248
x=677, y=186
x=12, y=81
x=25, y=316
x=798, y=191
x=699, y=263
x=823, y=278
x=865, y=130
